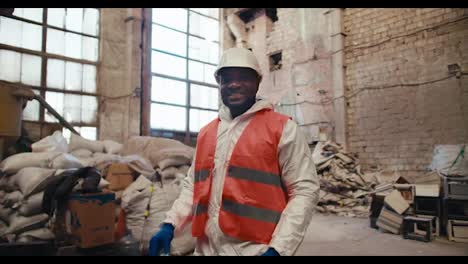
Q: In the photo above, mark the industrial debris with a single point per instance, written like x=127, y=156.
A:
x=427, y=206
x=344, y=188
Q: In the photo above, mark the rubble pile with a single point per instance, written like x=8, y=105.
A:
x=344, y=188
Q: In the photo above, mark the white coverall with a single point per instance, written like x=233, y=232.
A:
x=298, y=175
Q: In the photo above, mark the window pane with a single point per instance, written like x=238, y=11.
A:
x=90, y=48
x=168, y=65
x=203, y=96
x=89, y=78
x=67, y=133
x=168, y=91
x=31, y=69
x=73, y=45
x=204, y=27
x=200, y=118
x=168, y=117
x=56, y=101
x=34, y=14
x=55, y=41
x=203, y=50
x=91, y=21
x=85, y=131
x=212, y=12
x=10, y=65
x=31, y=111
x=72, y=107
x=89, y=107
x=73, y=75
x=56, y=17
x=31, y=36
x=169, y=40
x=10, y=31
x=56, y=73
x=172, y=17
x=89, y=133
x=209, y=74
x=74, y=19
x=201, y=72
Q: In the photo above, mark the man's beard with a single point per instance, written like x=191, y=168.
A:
x=239, y=109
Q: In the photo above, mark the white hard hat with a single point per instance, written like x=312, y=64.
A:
x=238, y=57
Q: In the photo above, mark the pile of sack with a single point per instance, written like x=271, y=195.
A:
x=171, y=160
x=25, y=176
x=161, y=164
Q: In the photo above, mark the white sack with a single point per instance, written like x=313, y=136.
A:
x=134, y=201
x=66, y=161
x=77, y=142
x=33, y=180
x=112, y=147
x=31, y=206
x=7, y=184
x=41, y=234
x=13, y=164
x=82, y=153
x=20, y=224
x=55, y=142
x=11, y=198
x=444, y=157
x=5, y=214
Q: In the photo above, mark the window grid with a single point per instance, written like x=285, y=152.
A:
x=42, y=89
x=187, y=135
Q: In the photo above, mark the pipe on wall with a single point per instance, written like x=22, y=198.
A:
x=339, y=103
x=237, y=27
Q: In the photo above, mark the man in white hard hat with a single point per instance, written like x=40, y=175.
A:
x=252, y=187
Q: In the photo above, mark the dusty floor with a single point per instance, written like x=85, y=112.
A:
x=335, y=235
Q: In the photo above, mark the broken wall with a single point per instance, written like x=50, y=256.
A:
x=303, y=84
x=396, y=127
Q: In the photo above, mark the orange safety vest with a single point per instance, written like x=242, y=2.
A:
x=253, y=195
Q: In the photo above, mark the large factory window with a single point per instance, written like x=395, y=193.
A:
x=184, y=53
x=55, y=51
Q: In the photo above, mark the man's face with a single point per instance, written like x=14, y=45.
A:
x=238, y=86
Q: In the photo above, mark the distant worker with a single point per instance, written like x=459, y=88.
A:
x=253, y=186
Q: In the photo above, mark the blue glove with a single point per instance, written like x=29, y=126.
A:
x=271, y=252
x=162, y=240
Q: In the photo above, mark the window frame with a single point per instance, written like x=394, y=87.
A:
x=44, y=55
x=188, y=136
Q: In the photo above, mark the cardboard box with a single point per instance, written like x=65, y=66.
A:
x=390, y=221
x=89, y=219
x=407, y=191
x=119, y=176
x=395, y=201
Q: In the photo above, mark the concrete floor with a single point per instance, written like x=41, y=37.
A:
x=335, y=235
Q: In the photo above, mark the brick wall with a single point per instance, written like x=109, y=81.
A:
x=397, y=127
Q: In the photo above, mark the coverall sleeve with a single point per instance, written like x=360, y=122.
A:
x=181, y=212
x=302, y=183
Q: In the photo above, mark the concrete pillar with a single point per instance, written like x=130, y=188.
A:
x=339, y=102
